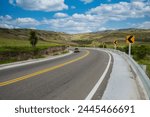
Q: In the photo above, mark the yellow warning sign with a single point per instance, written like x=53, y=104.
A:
x=130, y=39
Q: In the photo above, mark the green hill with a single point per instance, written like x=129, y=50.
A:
x=10, y=37
x=110, y=35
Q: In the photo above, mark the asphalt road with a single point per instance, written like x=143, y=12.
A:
x=70, y=77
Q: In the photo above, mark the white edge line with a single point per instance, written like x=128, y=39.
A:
x=12, y=65
x=131, y=62
x=93, y=91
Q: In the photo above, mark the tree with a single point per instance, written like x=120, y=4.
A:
x=33, y=38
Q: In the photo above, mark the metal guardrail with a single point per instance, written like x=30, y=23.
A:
x=142, y=76
x=137, y=69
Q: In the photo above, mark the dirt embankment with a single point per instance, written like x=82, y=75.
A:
x=23, y=55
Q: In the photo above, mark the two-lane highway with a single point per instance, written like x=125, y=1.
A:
x=70, y=77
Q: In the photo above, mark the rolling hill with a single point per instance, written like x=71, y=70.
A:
x=110, y=35
x=22, y=35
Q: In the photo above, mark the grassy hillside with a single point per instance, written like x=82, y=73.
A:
x=20, y=37
x=110, y=35
x=10, y=37
x=15, y=45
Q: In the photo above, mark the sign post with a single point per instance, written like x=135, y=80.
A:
x=129, y=50
x=130, y=39
x=103, y=44
x=115, y=44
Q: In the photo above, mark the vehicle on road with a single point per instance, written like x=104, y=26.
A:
x=76, y=50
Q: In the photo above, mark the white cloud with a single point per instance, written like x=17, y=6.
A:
x=5, y=21
x=8, y=22
x=26, y=22
x=96, y=18
x=66, y=25
x=87, y=1
x=144, y=25
x=93, y=20
x=60, y=15
x=32, y=28
x=121, y=11
x=102, y=29
x=43, y=5
x=6, y=17
x=139, y=0
x=83, y=17
x=6, y=26
x=77, y=23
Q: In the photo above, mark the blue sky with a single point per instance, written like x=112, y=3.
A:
x=75, y=16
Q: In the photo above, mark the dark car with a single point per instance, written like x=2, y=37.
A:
x=76, y=50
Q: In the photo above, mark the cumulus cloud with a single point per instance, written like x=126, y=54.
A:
x=83, y=17
x=26, y=22
x=60, y=15
x=121, y=11
x=5, y=21
x=139, y=0
x=6, y=17
x=8, y=22
x=6, y=26
x=87, y=1
x=66, y=25
x=96, y=18
x=77, y=23
x=42, y=5
x=102, y=29
x=144, y=25
x=93, y=20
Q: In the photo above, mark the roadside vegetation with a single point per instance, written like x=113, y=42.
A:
x=16, y=47
x=13, y=45
x=105, y=39
x=140, y=50
x=29, y=45
x=140, y=53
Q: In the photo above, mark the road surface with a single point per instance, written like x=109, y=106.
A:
x=70, y=77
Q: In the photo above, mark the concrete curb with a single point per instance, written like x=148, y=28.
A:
x=32, y=61
x=141, y=77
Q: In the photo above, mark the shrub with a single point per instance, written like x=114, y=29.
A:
x=100, y=46
x=140, y=51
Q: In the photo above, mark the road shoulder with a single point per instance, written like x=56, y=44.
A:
x=122, y=84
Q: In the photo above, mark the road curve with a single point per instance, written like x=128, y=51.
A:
x=70, y=77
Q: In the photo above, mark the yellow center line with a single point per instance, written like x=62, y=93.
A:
x=41, y=71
